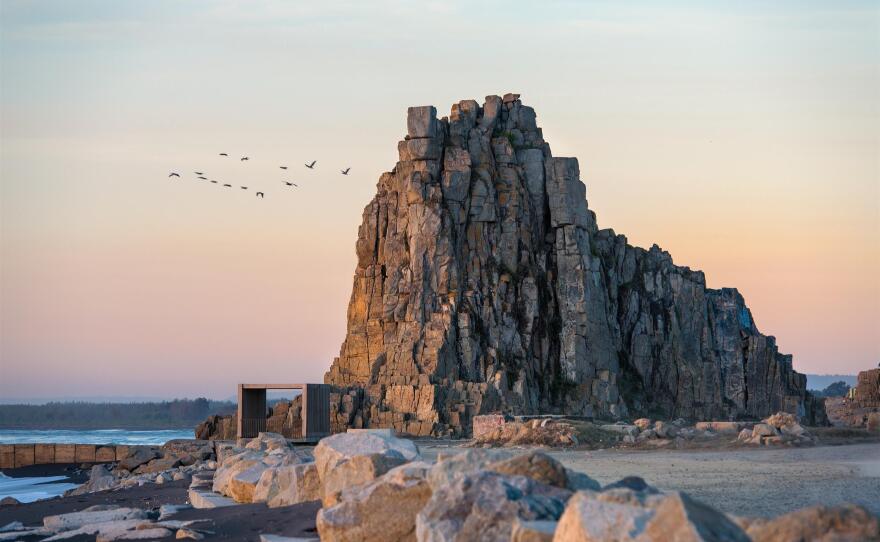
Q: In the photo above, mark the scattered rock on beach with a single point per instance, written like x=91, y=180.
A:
x=100, y=479
x=535, y=465
x=483, y=505
x=137, y=457
x=384, y=509
x=533, y=531
x=288, y=484
x=622, y=513
x=536, y=432
x=358, y=457
x=92, y=515
x=849, y=523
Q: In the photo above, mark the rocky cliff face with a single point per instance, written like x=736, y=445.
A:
x=484, y=284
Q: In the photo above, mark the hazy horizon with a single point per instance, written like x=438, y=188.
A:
x=744, y=139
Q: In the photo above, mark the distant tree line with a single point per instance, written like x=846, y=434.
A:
x=835, y=389
x=174, y=414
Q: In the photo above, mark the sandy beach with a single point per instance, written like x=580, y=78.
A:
x=745, y=481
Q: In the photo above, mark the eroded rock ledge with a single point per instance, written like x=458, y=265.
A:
x=484, y=284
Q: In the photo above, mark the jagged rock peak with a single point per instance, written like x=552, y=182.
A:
x=483, y=284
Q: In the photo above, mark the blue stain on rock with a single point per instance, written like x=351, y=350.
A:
x=744, y=319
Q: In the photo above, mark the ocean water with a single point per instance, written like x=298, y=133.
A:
x=93, y=436
x=33, y=488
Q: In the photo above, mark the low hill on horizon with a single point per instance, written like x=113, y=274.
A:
x=820, y=382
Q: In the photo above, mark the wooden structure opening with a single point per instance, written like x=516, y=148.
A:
x=315, y=410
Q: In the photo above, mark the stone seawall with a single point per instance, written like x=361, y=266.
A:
x=24, y=455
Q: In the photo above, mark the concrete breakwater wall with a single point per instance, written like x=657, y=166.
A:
x=23, y=455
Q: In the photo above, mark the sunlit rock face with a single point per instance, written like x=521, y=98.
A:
x=484, y=284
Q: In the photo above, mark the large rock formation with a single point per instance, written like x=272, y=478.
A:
x=867, y=391
x=484, y=284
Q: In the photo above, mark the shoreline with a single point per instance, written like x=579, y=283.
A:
x=747, y=482
x=240, y=522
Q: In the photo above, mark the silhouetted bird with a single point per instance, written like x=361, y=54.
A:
x=203, y=178
x=243, y=158
x=346, y=170
x=283, y=167
x=312, y=165
x=260, y=195
x=244, y=188
x=174, y=175
x=223, y=154
x=198, y=172
x=215, y=182
x=228, y=185
x=289, y=184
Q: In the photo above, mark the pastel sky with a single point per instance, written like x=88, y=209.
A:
x=743, y=138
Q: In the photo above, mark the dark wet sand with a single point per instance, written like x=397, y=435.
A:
x=243, y=522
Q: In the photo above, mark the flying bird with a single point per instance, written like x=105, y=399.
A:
x=289, y=184
x=198, y=172
x=223, y=154
x=228, y=185
x=203, y=178
x=260, y=195
x=345, y=171
x=312, y=165
x=244, y=188
x=243, y=158
x=283, y=167
x=215, y=182
x=174, y=174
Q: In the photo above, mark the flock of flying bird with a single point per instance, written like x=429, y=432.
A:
x=201, y=175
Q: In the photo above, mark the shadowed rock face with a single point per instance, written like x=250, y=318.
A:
x=484, y=284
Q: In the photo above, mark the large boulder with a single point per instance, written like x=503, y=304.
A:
x=535, y=465
x=355, y=458
x=136, y=457
x=450, y=466
x=719, y=427
x=268, y=442
x=200, y=449
x=533, y=531
x=624, y=514
x=100, y=479
x=158, y=465
x=288, y=484
x=483, y=505
x=243, y=484
x=849, y=523
x=643, y=423
x=384, y=509
x=232, y=466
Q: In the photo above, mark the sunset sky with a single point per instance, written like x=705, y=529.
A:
x=744, y=139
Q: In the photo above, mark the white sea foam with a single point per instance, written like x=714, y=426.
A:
x=94, y=436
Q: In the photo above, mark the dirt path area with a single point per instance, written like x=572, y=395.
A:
x=748, y=482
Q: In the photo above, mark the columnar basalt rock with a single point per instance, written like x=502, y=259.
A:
x=867, y=390
x=483, y=284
